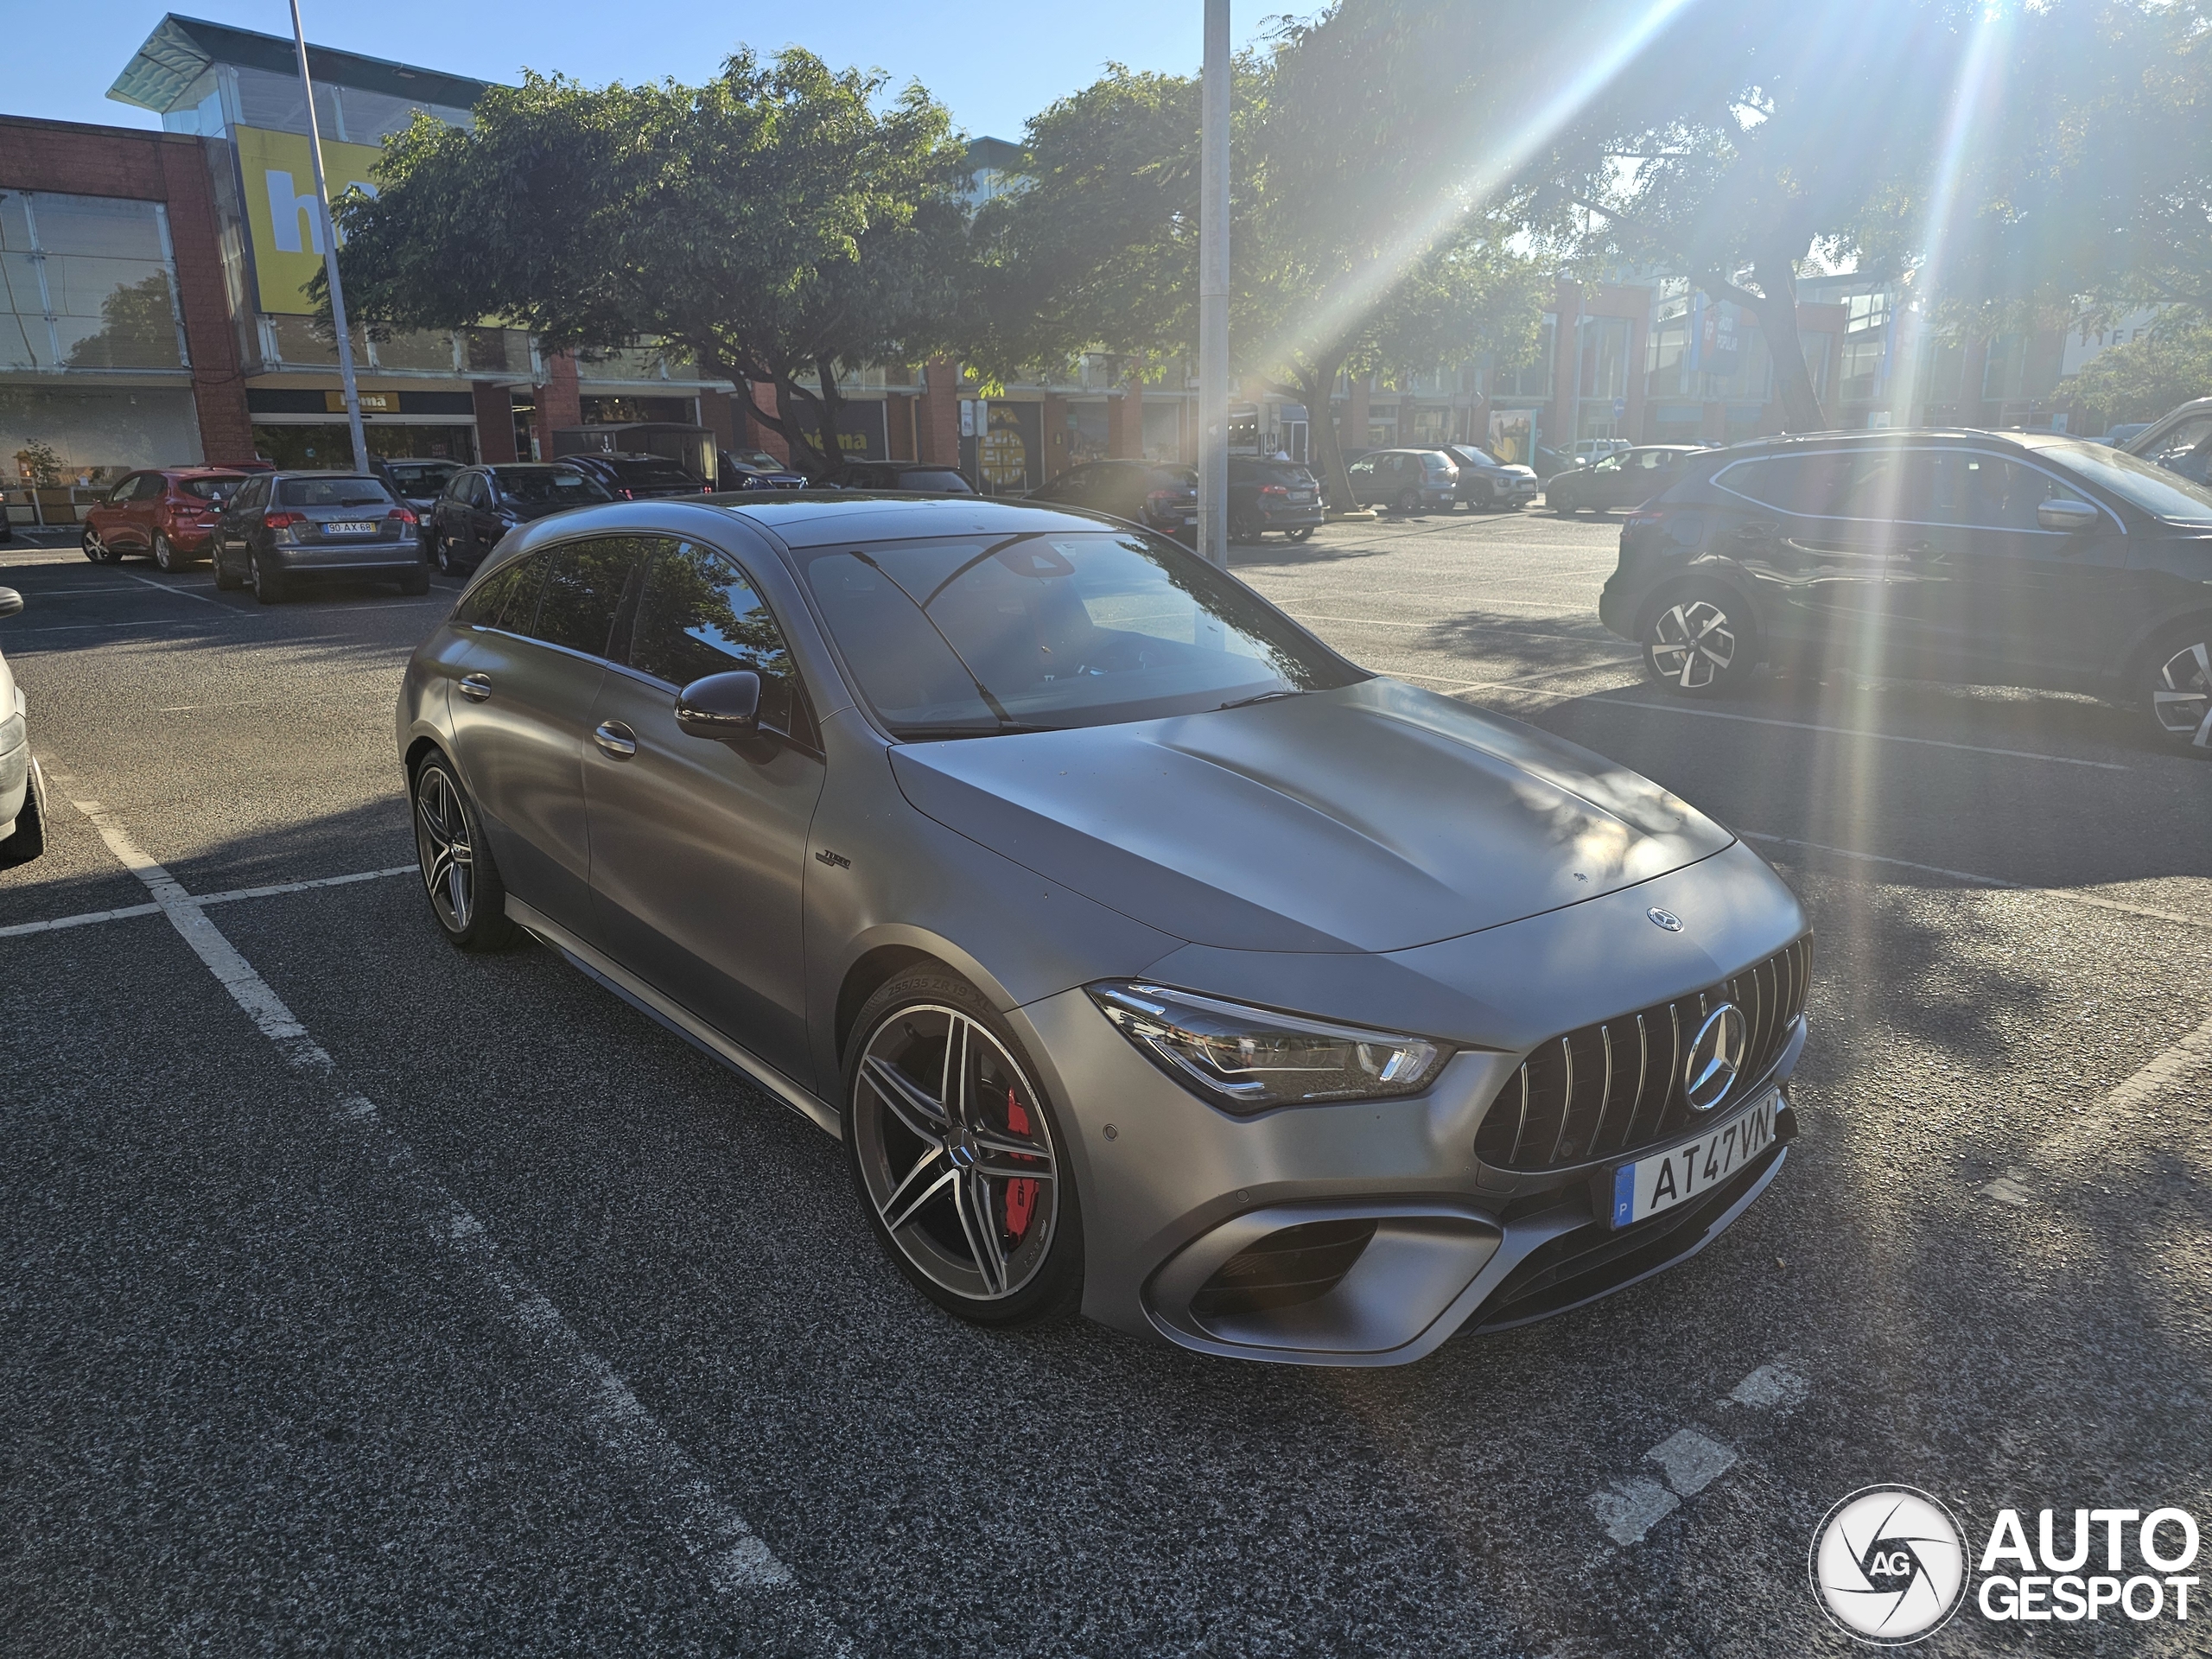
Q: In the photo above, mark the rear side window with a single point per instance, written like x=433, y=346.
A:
x=332, y=492
x=1806, y=484
x=505, y=598
x=150, y=487
x=699, y=614
x=583, y=592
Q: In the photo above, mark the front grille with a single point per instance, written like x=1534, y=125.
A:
x=1297, y=1264
x=1611, y=1088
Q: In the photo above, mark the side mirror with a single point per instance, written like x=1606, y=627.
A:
x=721, y=706
x=11, y=602
x=2070, y=516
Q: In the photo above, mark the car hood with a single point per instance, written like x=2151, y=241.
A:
x=1374, y=817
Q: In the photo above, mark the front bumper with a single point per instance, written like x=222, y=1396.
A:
x=1427, y=1238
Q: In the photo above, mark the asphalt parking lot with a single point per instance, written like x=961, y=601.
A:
x=362, y=1295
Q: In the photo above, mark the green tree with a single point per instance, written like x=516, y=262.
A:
x=775, y=221
x=1097, y=249
x=2146, y=378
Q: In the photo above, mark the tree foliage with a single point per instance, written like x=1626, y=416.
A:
x=2143, y=379
x=776, y=221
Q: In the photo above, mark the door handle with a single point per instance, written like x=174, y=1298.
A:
x=617, y=740
x=476, y=687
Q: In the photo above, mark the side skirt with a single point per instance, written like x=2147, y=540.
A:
x=650, y=1002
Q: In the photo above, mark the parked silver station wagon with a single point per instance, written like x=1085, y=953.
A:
x=1148, y=958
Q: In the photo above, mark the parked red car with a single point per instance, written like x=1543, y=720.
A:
x=168, y=515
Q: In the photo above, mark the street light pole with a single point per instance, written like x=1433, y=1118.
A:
x=330, y=256
x=1213, y=291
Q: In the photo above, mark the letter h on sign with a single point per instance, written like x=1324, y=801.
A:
x=285, y=206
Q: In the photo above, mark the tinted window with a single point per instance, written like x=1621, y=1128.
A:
x=2164, y=493
x=150, y=487
x=1985, y=491
x=1800, y=484
x=255, y=492
x=507, y=598
x=945, y=479
x=541, y=485
x=206, y=489
x=697, y=614
x=423, y=477
x=583, y=590
x=1171, y=477
x=650, y=471
x=2187, y=450
x=474, y=491
x=332, y=492
x=964, y=636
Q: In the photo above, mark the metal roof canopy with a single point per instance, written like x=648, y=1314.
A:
x=181, y=50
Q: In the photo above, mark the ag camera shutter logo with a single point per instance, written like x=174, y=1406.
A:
x=1889, y=1565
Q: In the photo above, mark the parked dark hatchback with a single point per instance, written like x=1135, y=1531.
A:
x=281, y=528
x=640, y=477
x=419, y=484
x=1271, y=495
x=1149, y=494
x=1627, y=478
x=482, y=503
x=2013, y=559
x=1407, y=480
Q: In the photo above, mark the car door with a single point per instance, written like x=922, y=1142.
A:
x=2018, y=603
x=698, y=848
x=1644, y=472
x=521, y=711
x=1817, y=574
x=236, y=525
x=449, y=517
x=1361, y=473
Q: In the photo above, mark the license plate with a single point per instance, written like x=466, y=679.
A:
x=349, y=530
x=1651, y=1185
x=1301, y=498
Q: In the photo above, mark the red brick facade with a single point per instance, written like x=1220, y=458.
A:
x=72, y=159
x=559, y=404
x=495, y=422
x=937, y=422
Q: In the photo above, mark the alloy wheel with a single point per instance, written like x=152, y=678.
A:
x=165, y=557
x=2181, y=695
x=955, y=1152
x=1693, y=643
x=443, y=850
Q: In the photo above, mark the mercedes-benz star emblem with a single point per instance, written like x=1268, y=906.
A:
x=1716, y=1057
x=1665, y=919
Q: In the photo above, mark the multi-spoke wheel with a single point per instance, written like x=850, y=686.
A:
x=953, y=1148
x=94, y=548
x=2180, y=689
x=467, y=895
x=166, y=557
x=1692, y=645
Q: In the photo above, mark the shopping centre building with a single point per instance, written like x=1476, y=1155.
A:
x=153, y=311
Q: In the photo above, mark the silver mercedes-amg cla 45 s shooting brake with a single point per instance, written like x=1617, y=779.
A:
x=1148, y=958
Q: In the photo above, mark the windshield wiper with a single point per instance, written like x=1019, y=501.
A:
x=1005, y=728
x=1263, y=696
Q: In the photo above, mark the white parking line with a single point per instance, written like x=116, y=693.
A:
x=84, y=919
x=1853, y=731
x=178, y=588
x=2089, y=899
x=87, y=918
x=734, y=1559
x=1691, y=1460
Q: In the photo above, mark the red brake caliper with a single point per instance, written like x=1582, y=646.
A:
x=1020, y=1195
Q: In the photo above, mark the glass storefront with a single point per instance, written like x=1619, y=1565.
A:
x=303, y=445
x=86, y=283
x=94, y=433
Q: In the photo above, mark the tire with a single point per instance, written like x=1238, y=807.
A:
x=166, y=557
x=1409, y=502
x=226, y=580
x=444, y=545
x=1242, y=531
x=937, y=1173
x=468, y=898
x=1304, y=535
x=1697, y=641
x=416, y=580
x=269, y=588
x=94, y=548
x=2173, y=680
x=28, y=840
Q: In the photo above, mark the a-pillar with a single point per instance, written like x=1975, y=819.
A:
x=1125, y=421
x=936, y=419
x=559, y=403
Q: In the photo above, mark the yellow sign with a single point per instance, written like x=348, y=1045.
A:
x=277, y=174
x=372, y=403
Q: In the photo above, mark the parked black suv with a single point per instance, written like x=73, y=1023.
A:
x=482, y=503
x=640, y=477
x=1265, y=495
x=280, y=528
x=1152, y=493
x=2006, y=559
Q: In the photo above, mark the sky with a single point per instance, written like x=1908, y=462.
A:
x=993, y=64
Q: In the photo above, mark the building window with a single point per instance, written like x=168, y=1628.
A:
x=86, y=283
x=1532, y=378
x=1603, y=369
x=2004, y=373
x=1862, y=369
x=1667, y=354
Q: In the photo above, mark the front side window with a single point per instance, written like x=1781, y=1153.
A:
x=583, y=591
x=2170, y=495
x=123, y=490
x=1610, y=464
x=1983, y=492
x=1362, y=469
x=968, y=636
x=699, y=614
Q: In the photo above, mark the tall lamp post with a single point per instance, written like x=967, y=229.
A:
x=1213, y=291
x=330, y=256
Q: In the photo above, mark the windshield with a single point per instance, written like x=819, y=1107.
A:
x=332, y=492
x=970, y=636
x=2157, y=492
x=561, y=484
x=950, y=483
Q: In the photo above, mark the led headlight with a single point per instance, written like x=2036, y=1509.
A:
x=1247, y=1059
